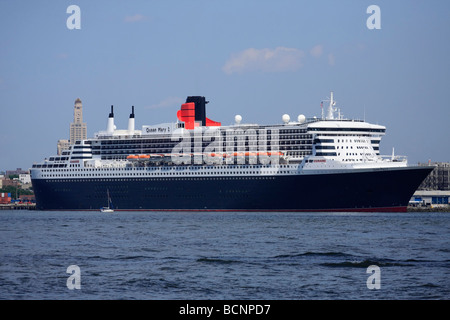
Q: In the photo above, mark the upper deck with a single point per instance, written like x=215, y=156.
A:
x=333, y=137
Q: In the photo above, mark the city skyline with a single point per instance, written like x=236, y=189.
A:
x=259, y=59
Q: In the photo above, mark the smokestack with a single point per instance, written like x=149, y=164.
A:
x=200, y=108
x=131, y=122
x=110, y=126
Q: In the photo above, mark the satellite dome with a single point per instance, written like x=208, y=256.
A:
x=301, y=118
x=238, y=119
x=286, y=118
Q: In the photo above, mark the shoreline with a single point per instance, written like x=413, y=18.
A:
x=428, y=209
x=409, y=209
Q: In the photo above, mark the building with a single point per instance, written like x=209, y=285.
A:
x=9, y=182
x=25, y=178
x=24, y=198
x=78, y=129
x=434, y=191
x=432, y=198
x=17, y=172
x=62, y=145
x=438, y=179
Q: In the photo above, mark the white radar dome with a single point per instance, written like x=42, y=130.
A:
x=238, y=119
x=301, y=118
x=286, y=118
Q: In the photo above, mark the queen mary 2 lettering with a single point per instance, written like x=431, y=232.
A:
x=164, y=128
x=196, y=164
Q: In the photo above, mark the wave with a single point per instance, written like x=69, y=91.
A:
x=338, y=259
x=217, y=260
x=364, y=264
x=425, y=261
x=309, y=253
x=131, y=257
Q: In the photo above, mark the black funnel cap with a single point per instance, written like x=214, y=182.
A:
x=200, y=108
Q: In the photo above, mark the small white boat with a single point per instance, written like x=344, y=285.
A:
x=109, y=207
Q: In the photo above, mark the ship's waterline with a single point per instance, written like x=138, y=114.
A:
x=316, y=164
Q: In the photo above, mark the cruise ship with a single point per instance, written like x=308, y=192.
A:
x=324, y=163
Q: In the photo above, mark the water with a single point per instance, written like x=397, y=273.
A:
x=175, y=255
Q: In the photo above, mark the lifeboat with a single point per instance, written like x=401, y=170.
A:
x=215, y=155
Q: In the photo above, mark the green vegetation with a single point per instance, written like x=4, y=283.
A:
x=12, y=190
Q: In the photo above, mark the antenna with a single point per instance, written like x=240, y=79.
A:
x=331, y=108
x=321, y=106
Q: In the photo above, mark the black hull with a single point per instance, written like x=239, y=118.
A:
x=363, y=190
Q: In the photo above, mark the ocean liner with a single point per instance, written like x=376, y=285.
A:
x=325, y=163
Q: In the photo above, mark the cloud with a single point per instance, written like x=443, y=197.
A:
x=135, y=18
x=331, y=61
x=62, y=56
x=316, y=51
x=167, y=103
x=279, y=59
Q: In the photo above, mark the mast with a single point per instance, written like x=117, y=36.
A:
x=330, y=115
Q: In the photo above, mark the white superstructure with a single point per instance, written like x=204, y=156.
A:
x=330, y=144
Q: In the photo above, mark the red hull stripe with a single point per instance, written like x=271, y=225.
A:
x=383, y=209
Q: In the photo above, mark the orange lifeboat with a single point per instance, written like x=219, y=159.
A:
x=275, y=153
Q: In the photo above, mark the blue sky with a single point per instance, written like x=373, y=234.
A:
x=259, y=59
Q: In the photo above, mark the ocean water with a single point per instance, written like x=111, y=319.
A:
x=237, y=256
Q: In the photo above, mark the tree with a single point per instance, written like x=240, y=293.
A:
x=13, y=190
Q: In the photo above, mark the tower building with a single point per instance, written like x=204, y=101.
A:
x=78, y=129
